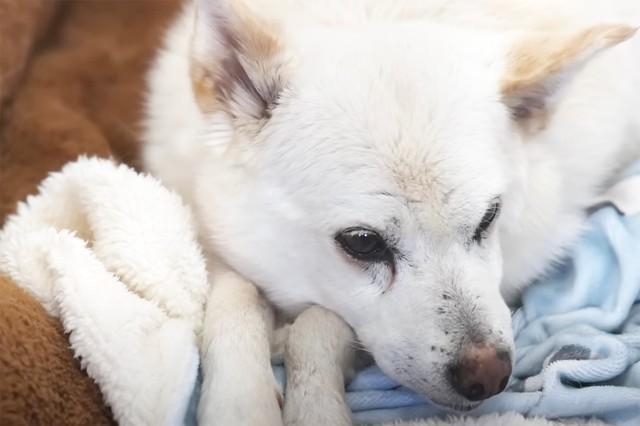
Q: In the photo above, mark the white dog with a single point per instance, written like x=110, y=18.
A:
x=399, y=162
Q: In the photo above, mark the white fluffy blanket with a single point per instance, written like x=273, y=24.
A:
x=88, y=247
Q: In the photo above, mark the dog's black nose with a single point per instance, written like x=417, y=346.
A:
x=482, y=371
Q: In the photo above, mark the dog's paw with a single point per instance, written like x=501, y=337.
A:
x=320, y=405
x=239, y=398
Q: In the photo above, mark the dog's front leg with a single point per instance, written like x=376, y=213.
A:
x=239, y=387
x=318, y=356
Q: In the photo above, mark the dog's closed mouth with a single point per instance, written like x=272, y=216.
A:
x=465, y=407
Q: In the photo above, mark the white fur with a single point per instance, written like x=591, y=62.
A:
x=389, y=117
x=239, y=386
x=318, y=357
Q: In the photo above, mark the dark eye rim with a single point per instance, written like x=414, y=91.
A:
x=381, y=254
x=487, y=221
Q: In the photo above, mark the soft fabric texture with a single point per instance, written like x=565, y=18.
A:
x=114, y=256
x=77, y=91
x=577, y=333
x=40, y=381
x=82, y=92
x=23, y=23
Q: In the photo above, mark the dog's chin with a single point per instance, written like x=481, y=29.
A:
x=455, y=406
x=447, y=400
x=441, y=396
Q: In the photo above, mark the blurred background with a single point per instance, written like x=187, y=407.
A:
x=71, y=82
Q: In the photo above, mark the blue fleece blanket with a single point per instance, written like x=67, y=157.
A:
x=577, y=339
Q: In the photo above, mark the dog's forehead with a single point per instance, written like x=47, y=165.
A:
x=444, y=187
x=425, y=130
x=392, y=115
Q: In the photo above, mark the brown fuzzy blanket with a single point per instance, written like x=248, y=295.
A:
x=71, y=83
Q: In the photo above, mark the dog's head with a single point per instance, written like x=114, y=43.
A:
x=368, y=168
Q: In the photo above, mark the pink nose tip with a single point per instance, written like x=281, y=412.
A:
x=482, y=371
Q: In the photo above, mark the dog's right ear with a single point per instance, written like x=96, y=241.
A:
x=539, y=66
x=236, y=61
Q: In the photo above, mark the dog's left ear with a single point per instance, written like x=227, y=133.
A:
x=237, y=61
x=539, y=65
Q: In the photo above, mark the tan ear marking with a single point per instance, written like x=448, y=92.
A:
x=539, y=57
x=541, y=64
x=235, y=60
x=203, y=86
x=256, y=38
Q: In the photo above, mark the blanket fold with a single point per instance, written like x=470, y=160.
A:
x=113, y=255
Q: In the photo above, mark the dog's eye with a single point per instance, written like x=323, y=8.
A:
x=487, y=220
x=363, y=244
